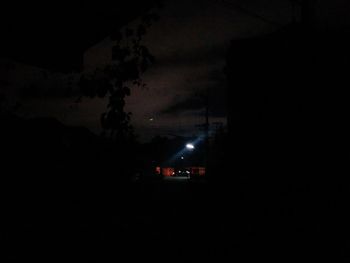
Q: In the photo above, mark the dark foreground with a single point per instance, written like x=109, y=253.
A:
x=170, y=220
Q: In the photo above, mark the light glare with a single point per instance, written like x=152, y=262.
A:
x=190, y=146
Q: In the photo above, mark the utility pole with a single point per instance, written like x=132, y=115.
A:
x=207, y=146
x=306, y=7
x=206, y=126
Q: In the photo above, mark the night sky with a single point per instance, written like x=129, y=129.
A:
x=189, y=42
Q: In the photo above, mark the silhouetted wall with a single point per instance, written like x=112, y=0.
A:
x=288, y=108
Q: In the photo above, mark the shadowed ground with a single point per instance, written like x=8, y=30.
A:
x=172, y=219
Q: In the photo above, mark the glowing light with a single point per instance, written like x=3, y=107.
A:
x=190, y=146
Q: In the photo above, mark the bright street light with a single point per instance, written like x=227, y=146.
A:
x=190, y=146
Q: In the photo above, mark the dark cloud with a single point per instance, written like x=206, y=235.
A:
x=52, y=89
x=195, y=105
x=27, y=82
x=189, y=104
x=212, y=95
x=193, y=57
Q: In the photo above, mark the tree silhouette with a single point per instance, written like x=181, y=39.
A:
x=130, y=59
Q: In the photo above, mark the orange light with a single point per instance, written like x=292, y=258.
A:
x=168, y=171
